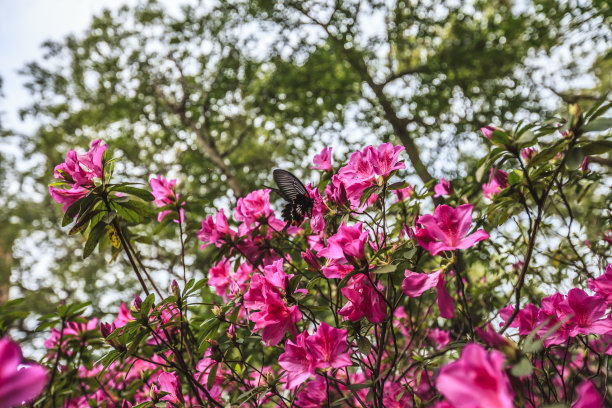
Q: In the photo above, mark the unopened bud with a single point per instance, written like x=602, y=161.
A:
x=154, y=393
x=106, y=329
x=137, y=304
x=175, y=289
x=310, y=258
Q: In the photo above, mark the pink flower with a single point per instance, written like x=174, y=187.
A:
x=525, y=319
x=275, y=318
x=322, y=161
x=498, y=180
x=313, y=395
x=215, y=232
x=93, y=158
x=358, y=169
x=124, y=316
x=163, y=191
x=348, y=241
x=72, y=171
x=586, y=313
x=488, y=131
x=363, y=300
x=297, y=361
x=218, y=277
x=385, y=158
x=447, y=228
x=18, y=383
x=404, y=193
x=587, y=396
x=415, y=284
x=602, y=285
x=67, y=197
x=328, y=347
x=169, y=382
x=476, y=380
x=255, y=205
x=528, y=153
x=439, y=336
x=325, y=349
x=444, y=187
x=317, y=222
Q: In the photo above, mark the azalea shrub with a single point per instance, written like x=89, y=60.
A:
x=474, y=292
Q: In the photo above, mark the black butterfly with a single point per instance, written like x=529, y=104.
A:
x=299, y=203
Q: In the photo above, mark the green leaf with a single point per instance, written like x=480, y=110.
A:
x=83, y=222
x=78, y=207
x=500, y=138
x=385, y=269
x=138, y=192
x=574, y=158
x=364, y=345
x=212, y=375
x=134, y=211
x=522, y=369
x=598, y=125
x=398, y=185
x=513, y=178
x=95, y=234
x=526, y=137
x=597, y=147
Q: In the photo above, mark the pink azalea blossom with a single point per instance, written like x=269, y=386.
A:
x=586, y=313
x=602, y=285
x=396, y=396
x=415, y=284
x=215, y=231
x=18, y=382
x=447, y=228
x=491, y=337
x=328, y=347
x=163, y=191
x=440, y=337
x=203, y=368
x=358, y=169
x=169, y=382
x=297, y=361
x=313, y=395
x=274, y=317
x=218, y=276
x=498, y=180
x=254, y=206
x=476, y=380
x=348, y=241
x=93, y=158
x=324, y=349
x=526, y=319
x=124, y=316
x=322, y=161
x=444, y=187
x=317, y=222
x=67, y=197
x=363, y=300
x=587, y=396
x=403, y=193
x=72, y=171
x=385, y=158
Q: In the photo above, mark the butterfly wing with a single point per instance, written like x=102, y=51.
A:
x=289, y=186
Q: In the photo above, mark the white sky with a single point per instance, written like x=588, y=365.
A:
x=25, y=25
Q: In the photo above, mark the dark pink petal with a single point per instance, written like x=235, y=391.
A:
x=415, y=284
x=470, y=240
x=445, y=300
x=587, y=396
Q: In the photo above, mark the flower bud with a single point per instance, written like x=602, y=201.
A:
x=175, y=289
x=106, y=329
x=217, y=311
x=136, y=305
x=310, y=258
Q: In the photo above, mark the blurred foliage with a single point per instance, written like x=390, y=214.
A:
x=221, y=93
